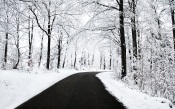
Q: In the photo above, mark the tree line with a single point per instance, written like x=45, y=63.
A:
x=135, y=38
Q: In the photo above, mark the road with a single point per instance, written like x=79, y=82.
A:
x=79, y=91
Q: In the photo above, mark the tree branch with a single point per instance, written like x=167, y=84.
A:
x=37, y=20
x=118, y=2
x=111, y=7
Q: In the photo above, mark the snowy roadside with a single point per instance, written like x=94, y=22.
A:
x=18, y=86
x=131, y=98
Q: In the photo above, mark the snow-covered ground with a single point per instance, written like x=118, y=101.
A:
x=19, y=86
x=131, y=98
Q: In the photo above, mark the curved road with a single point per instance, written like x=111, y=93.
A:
x=79, y=91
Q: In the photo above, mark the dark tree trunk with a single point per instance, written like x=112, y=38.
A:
x=122, y=39
x=6, y=48
x=6, y=39
x=173, y=21
x=75, y=60
x=104, y=63
x=110, y=61
x=30, y=42
x=49, y=41
x=133, y=25
x=48, y=48
x=59, y=58
x=59, y=51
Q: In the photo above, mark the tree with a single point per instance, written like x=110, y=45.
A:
x=117, y=7
x=171, y=2
x=6, y=26
x=17, y=44
x=51, y=16
x=59, y=46
x=122, y=38
x=30, y=37
x=132, y=6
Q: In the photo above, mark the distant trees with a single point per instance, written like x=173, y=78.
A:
x=114, y=7
x=49, y=17
x=6, y=22
x=141, y=29
x=135, y=38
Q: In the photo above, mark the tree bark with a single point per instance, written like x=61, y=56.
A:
x=75, y=60
x=59, y=51
x=110, y=61
x=48, y=47
x=49, y=39
x=173, y=21
x=6, y=38
x=104, y=63
x=17, y=46
x=133, y=26
x=6, y=48
x=64, y=61
x=30, y=41
x=122, y=39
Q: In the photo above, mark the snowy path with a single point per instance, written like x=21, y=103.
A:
x=79, y=91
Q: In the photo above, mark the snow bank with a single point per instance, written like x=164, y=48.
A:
x=131, y=98
x=19, y=86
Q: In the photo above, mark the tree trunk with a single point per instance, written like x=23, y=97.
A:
x=30, y=42
x=134, y=32
x=6, y=48
x=122, y=39
x=110, y=61
x=92, y=63
x=101, y=61
x=173, y=22
x=59, y=51
x=49, y=40
x=75, y=60
x=59, y=58
x=6, y=39
x=41, y=51
x=64, y=61
x=104, y=63
x=17, y=46
x=48, y=48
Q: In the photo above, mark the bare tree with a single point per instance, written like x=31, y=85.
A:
x=30, y=41
x=50, y=21
x=132, y=5
x=171, y=2
x=17, y=41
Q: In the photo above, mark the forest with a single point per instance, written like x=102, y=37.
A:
x=133, y=38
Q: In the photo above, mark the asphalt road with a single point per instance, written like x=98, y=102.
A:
x=79, y=91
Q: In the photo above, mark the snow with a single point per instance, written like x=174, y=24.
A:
x=19, y=86
x=132, y=98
